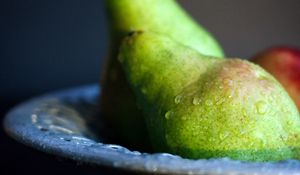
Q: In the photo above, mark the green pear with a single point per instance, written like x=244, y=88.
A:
x=164, y=16
x=203, y=107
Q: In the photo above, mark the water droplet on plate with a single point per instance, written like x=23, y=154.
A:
x=55, y=117
x=66, y=139
x=60, y=129
x=136, y=153
x=150, y=166
x=34, y=118
x=43, y=129
x=116, y=147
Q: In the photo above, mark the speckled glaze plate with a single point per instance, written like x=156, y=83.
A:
x=68, y=124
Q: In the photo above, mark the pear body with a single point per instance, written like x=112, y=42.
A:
x=165, y=16
x=202, y=107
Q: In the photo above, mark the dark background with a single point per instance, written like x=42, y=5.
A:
x=47, y=45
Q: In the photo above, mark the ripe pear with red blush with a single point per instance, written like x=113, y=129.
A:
x=199, y=106
x=284, y=64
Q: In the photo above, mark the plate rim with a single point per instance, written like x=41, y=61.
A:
x=17, y=121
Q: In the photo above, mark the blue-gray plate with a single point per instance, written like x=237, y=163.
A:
x=68, y=123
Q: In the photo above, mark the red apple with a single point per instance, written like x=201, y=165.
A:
x=284, y=64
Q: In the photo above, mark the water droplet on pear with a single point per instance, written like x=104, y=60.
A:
x=261, y=107
x=169, y=114
x=178, y=99
x=209, y=102
x=196, y=100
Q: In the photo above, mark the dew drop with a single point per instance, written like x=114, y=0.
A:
x=82, y=141
x=136, y=153
x=66, y=139
x=34, y=118
x=114, y=147
x=178, y=99
x=60, y=129
x=282, y=137
x=150, y=166
x=285, y=110
x=196, y=100
x=43, y=129
x=289, y=122
x=169, y=114
x=208, y=102
x=259, y=75
x=224, y=135
x=261, y=107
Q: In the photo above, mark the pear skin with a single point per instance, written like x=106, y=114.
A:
x=203, y=107
x=165, y=16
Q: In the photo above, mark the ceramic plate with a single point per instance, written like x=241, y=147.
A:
x=68, y=124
